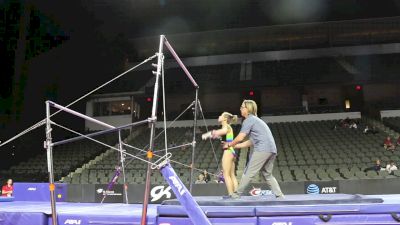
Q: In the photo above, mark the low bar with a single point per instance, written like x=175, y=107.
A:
x=99, y=133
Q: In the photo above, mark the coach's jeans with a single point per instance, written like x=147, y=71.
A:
x=263, y=161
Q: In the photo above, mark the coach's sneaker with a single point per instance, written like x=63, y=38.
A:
x=235, y=195
x=280, y=197
x=226, y=197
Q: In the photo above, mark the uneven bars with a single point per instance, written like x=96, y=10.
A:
x=100, y=132
x=180, y=62
x=55, y=105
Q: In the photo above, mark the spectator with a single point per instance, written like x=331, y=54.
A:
x=7, y=190
x=172, y=145
x=377, y=167
x=388, y=145
x=188, y=134
x=200, y=179
x=353, y=125
x=374, y=130
x=220, y=177
x=345, y=123
x=398, y=141
x=391, y=167
x=185, y=142
x=366, y=130
x=207, y=177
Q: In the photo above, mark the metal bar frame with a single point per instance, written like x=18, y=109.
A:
x=152, y=130
x=49, y=150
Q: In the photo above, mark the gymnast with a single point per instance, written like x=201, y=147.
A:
x=229, y=156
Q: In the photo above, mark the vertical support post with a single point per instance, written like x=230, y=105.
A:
x=49, y=150
x=191, y=207
x=121, y=150
x=194, y=139
x=152, y=130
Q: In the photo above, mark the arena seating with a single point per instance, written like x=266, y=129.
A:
x=308, y=151
x=393, y=123
x=66, y=158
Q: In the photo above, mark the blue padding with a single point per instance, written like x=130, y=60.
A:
x=6, y=199
x=38, y=192
x=304, y=199
x=98, y=219
x=14, y=218
x=219, y=221
x=376, y=219
x=326, y=209
x=210, y=211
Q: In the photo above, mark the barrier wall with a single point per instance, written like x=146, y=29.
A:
x=390, y=113
x=159, y=193
x=273, y=119
x=38, y=192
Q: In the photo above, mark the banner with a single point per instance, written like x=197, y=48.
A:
x=321, y=187
x=115, y=195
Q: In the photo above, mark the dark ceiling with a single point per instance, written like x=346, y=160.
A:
x=141, y=18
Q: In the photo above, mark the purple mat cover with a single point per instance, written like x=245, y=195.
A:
x=28, y=218
x=27, y=213
x=270, y=200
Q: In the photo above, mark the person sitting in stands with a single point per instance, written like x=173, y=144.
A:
x=346, y=122
x=398, y=141
x=353, y=125
x=207, y=177
x=367, y=130
x=377, y=167
x=391, y=167
x=388, y=145
x=7, y=190
x=220, y=178
x=200, y=179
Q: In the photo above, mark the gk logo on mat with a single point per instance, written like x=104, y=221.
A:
x=159, y=191
x=177, y=185
x=282, y=223
x=68, y=221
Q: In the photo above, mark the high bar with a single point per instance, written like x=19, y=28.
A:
x=180, y=63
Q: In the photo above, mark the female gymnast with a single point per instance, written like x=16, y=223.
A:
x=229, y=156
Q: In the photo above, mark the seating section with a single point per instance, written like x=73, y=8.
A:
x=393, y=123
x=66, y=158
x=308, y=151
x=103, y=170
x=316, y=151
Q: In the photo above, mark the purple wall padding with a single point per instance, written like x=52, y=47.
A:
x=221, y=221
x=91, y=219
x=210, y=211
x=38, y=192
x=13, y=218
x=376, y=219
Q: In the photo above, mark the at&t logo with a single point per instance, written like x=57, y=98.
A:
x=312, y=189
